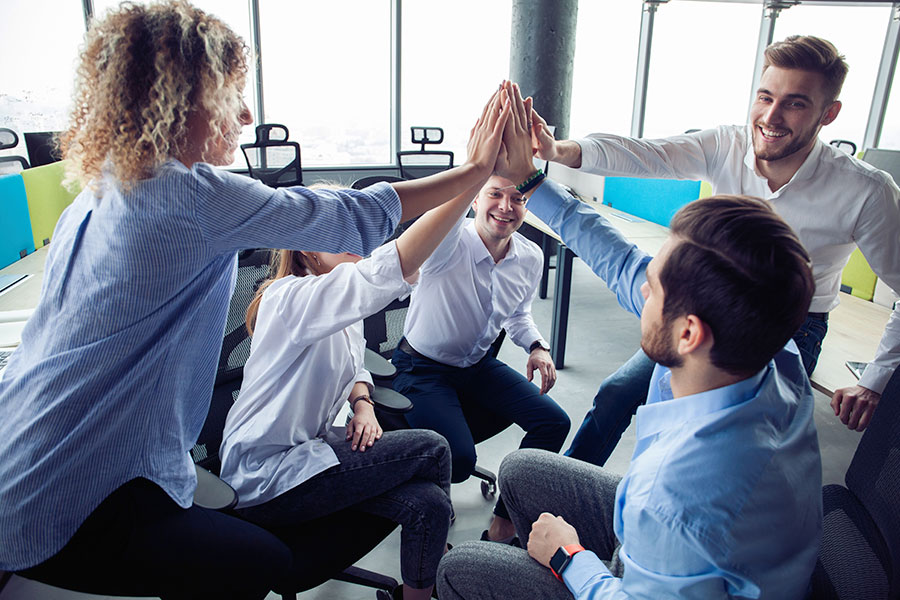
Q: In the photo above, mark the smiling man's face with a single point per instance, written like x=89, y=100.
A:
x=499, y=210
x=790, y=108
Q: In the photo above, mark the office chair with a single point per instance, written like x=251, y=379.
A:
x=365, y=182
x=273, y=159
x=860, y=553
x=383, y=331
x=420, y=163
x=42, y=149
x=886, y=160
x=10, y=163
x=841, y=143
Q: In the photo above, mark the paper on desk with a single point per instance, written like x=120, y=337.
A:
x=11, y=333
x=14, y=316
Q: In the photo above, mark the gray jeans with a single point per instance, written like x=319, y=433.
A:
x=536, y=481
x=404, y=477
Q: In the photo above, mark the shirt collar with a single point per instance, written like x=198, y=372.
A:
x=806, y=170
x=662, y=411
x=480, y=251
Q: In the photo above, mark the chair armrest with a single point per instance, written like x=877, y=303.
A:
x=390, y=401
x=378, y=366
x=212, y=492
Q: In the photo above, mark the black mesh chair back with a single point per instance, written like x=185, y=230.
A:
x=365, y=182
x=273, y=159
x=384, y=329
x=10, y=163
x=253, y=269
x=421, y=163
x=860, y=552
x=42, y=149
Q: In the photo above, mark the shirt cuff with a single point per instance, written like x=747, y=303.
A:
x=583, y=571
x=875, y=377
x=547, y=200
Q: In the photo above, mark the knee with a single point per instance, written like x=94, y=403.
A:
x=554, y=426
x=517, y=466
x=435, y=506
x=463, y=463
x=459, y=572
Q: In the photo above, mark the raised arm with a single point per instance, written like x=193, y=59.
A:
x=423, y=194
x=417, y=243
x=546, y=147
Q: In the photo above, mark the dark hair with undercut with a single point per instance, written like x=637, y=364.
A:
x=809, y=53
x=740, y=268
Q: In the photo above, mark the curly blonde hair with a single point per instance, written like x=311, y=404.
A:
x=142, y=71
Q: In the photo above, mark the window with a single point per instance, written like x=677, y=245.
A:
x=38, y=82
x=858, y=33
x=454, y=55
x=890, y=131
x=327, y=75
x=606, y=50
x=701, y=66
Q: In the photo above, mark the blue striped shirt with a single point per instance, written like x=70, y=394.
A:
x=113, y=378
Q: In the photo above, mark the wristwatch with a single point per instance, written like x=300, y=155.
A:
x=560, y=561
x=537, y=344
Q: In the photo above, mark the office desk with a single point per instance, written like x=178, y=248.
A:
x=648, y=236
x=854, y=330
x=24, y=294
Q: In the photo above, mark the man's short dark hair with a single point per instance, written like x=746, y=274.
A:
x=741, y=269
x=809, y=53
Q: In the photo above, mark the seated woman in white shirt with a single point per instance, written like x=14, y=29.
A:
x=279, y=450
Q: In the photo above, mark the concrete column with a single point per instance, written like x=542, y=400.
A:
x=542, y=56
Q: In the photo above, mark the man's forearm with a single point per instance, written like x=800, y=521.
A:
x=568, y=153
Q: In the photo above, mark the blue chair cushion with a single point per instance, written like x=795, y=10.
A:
x=15, y=224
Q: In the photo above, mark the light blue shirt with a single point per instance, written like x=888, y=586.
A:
x=723, y=497
x=114, y=375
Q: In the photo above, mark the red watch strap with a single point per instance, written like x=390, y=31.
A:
x=571, y=550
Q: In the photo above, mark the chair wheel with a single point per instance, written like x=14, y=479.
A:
x=488, y=489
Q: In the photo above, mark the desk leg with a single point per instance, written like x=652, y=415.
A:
x=560, y=324
x=547, y=250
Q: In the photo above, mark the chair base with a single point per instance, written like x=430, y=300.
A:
x=488, y=483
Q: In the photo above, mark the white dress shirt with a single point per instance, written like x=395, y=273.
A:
x=464, y=298
x=833, y=202
x=305, y=356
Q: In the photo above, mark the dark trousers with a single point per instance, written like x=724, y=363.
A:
x=140, y=542
x=624, y=391
x=468, y=405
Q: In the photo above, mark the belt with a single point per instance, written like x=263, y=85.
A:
x=404, y=346
x=819, y=316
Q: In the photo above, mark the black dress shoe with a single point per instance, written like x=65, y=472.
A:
x=513, y=541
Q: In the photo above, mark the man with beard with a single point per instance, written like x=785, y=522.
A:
x=723, y=495
x=833, y=201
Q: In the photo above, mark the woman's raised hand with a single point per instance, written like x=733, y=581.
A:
x=515, y=161
x=487, y=134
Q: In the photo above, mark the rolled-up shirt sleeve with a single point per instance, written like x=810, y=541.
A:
x=877, y=234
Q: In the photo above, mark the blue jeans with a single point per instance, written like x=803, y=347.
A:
x=470, y=404
x=624, y=391
x=403, y=477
